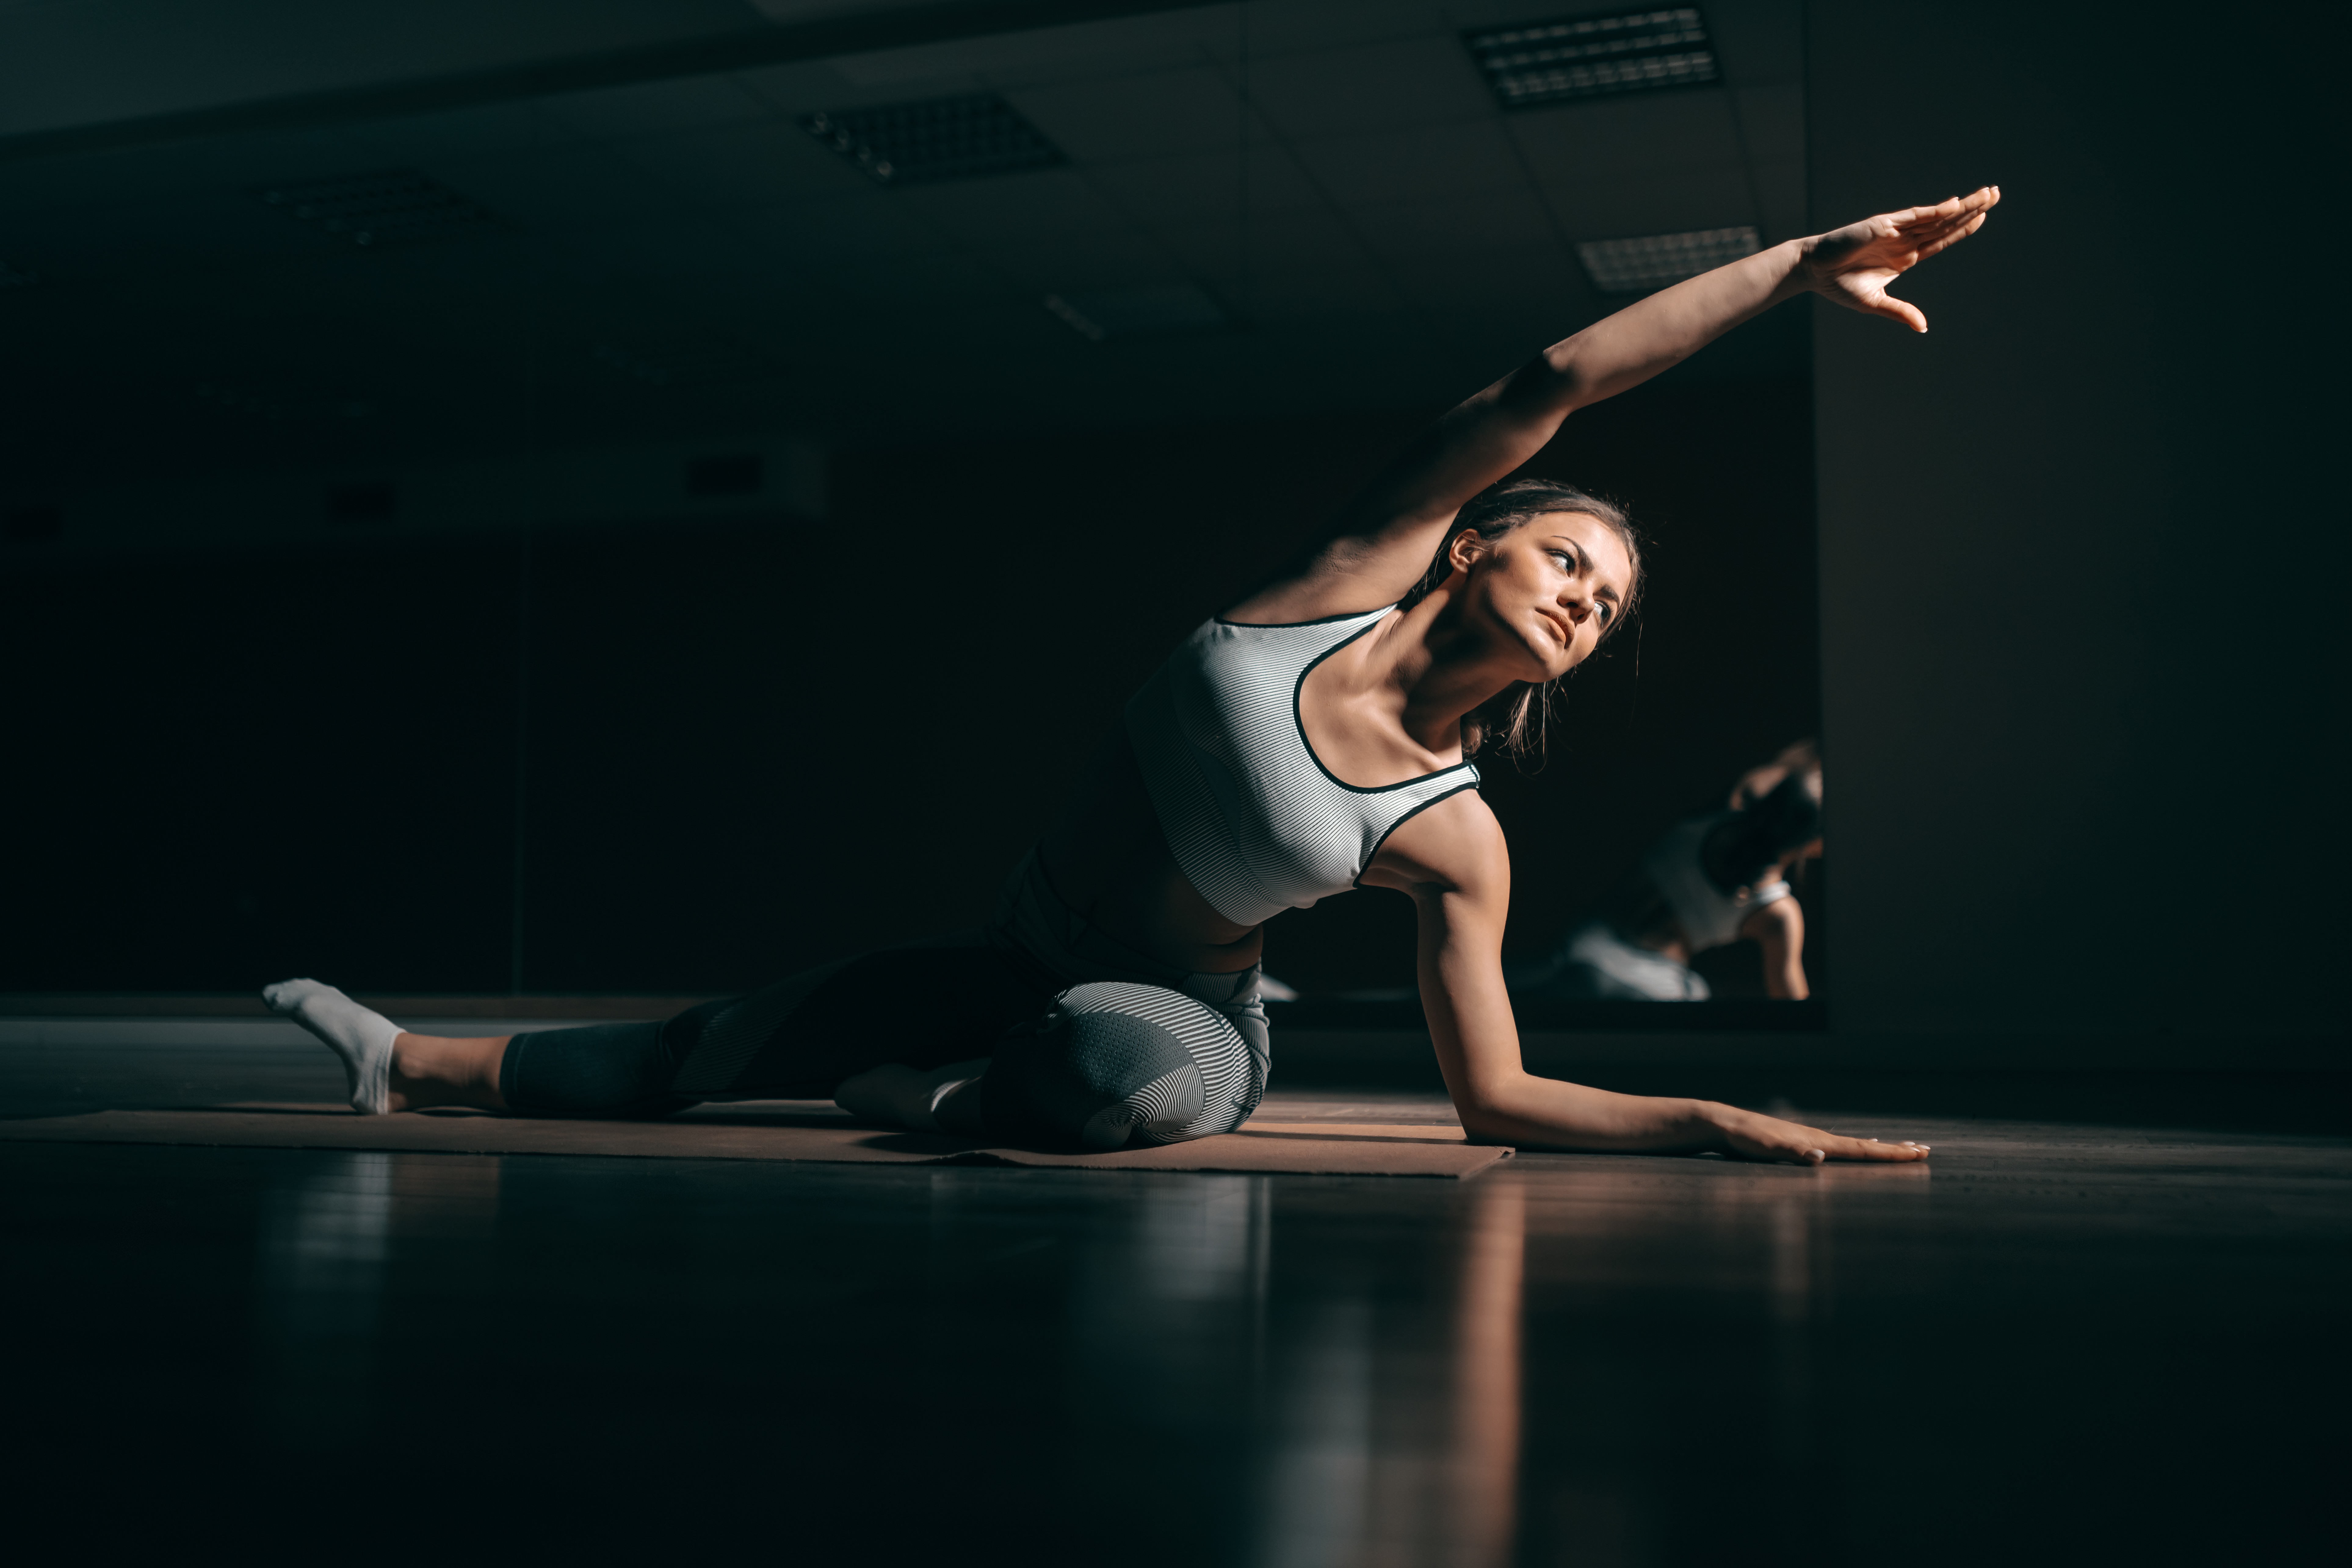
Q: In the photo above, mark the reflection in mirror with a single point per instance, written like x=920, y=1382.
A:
x=1724, y=877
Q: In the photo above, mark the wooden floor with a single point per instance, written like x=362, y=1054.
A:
x=2086, y=1340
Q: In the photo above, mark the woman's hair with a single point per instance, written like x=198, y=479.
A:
x=1739, y=850
x=1515, y=717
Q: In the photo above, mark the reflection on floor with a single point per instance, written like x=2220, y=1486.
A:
x=2054, y=1340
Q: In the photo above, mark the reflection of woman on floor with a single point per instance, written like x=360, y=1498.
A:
x=1708, y=882
x=1316, y=737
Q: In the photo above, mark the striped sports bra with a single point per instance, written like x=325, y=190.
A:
x=1254, y=819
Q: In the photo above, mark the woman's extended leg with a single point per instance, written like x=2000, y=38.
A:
x=385, y=1068
x=795, y=1039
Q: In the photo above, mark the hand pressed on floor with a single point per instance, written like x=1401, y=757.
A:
x=1751, y=1135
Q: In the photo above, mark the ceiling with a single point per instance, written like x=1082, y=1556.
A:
x=671, y=254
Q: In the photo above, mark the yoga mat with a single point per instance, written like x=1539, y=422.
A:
x=775, y=1131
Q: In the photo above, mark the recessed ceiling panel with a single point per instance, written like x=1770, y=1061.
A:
x=1529, y=64
x=959, y=138
x=1650, y=261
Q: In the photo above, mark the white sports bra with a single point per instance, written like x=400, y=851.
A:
x=1254, y=819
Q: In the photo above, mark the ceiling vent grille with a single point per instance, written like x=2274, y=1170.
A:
x=1654, y=261
x=1533, y=63
x=958, y=138
x=383, y=208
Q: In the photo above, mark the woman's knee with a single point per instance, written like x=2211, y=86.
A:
x=1114, y=1064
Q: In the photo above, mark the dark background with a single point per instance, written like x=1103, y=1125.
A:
x=2073, y=600
x=748, y=747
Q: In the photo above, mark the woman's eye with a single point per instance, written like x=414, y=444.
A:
x=1566, y=564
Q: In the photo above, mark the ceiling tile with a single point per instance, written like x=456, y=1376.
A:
x=457, y=136
x=1291, y=27
x=1772, y=121
x=692, y=104
x=1780, y=187
x=1135, y=116
x=91, y=179
x=1618, y=209
x=741, y=164
x=1067, y=263
x=1322, y=294
x=1053, y=199
x=1663, y=132
x=1757, y=40
x=907, y=281
x=1273, y=242
x=867, y=223
x=804, y=87
x=1119, y=46
x=1207, y=186
x=1534, y=276
x=1460, y=227
x=579, y=183
x=1429, y=161
x=682, y=247
x=1422, y=80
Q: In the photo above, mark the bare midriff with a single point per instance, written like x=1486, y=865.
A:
x=1107, y=858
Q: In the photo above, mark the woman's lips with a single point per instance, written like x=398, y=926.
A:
x=1560, y=624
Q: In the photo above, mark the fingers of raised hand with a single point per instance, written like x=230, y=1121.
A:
x=1874, y=298
x=1902, y=310
x=1950, y=237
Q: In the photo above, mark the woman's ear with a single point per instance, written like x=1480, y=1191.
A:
x=1466, y=547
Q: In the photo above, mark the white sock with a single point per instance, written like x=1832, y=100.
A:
x=913, y=1098
x=362, y=1037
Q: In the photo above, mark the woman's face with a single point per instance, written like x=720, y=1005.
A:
x=1547, y=589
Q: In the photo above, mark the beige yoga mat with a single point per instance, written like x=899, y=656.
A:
x=776, y=1131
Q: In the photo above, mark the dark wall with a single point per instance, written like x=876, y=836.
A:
x=2079, y=576
x=749, y=748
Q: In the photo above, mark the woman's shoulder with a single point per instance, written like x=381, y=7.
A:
x=1454, y=842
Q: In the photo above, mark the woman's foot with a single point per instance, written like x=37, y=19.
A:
x=361, y=1037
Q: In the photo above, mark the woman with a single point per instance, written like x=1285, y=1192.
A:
x=1318, y=736
x=1710, y=881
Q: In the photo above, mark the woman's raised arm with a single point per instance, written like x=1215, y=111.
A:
x=1384, y=541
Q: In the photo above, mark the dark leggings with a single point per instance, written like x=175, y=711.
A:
x=797, y=1040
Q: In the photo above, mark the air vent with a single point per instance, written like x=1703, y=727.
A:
x=958, y=138
x=736, y=474
x=1638, y=266
x=373, y=502
x=383, y=208
x=1532, y=63
x=27, y=523
x=1104, y=313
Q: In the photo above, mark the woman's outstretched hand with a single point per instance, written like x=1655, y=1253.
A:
x=1750, y=1135
x=1854, y=265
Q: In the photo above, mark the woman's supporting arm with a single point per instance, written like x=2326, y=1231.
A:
x=1452, y=862
x=1383, y=542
